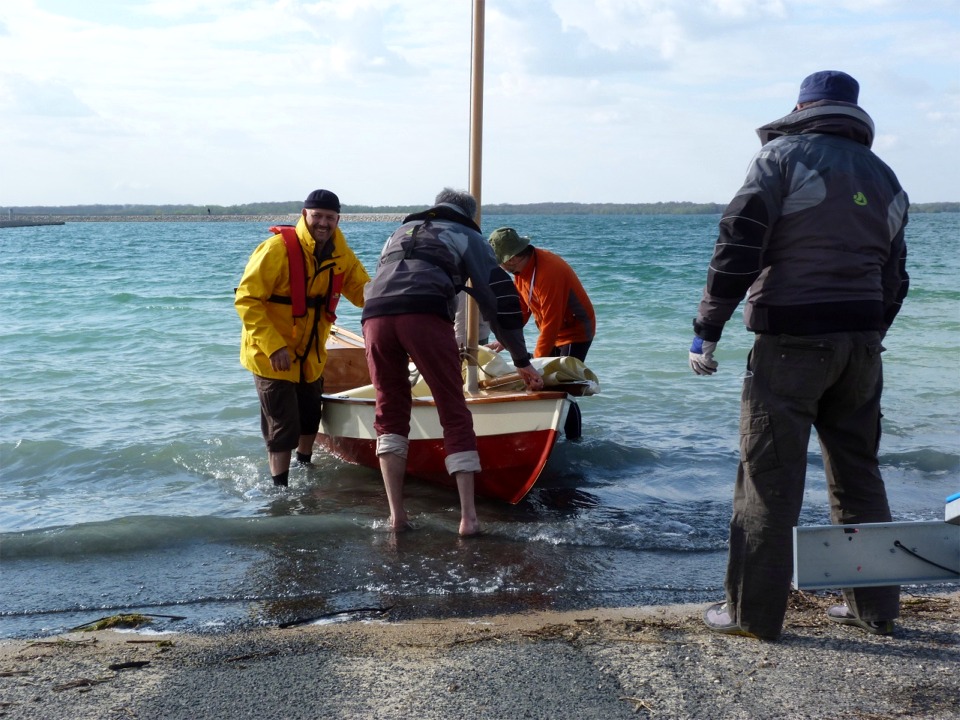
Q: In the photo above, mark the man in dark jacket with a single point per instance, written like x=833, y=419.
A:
x=815, y=240
x=409, y=311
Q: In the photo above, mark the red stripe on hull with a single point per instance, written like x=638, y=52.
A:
x=511, y=463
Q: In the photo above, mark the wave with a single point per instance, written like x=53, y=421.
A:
x=152, y=532
x=925, y=460
x=602, y=454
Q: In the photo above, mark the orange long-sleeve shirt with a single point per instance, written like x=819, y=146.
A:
x=551, y=291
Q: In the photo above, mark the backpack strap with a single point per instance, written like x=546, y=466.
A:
x=433, y=251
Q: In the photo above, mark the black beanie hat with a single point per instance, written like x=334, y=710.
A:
x=322, y=200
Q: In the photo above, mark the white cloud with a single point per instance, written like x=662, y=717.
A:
x=47, y=98
x=230, y=101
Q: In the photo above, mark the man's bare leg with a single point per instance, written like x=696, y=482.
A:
x=394, y=467
x=280, y=461
x=305, y=448
x=279, y=466
x=469, y=525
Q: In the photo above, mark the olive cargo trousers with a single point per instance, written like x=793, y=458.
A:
x=831, y=382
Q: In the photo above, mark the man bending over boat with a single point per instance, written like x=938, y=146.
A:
x=409, y=314
x=287, y=301
x=552, y=293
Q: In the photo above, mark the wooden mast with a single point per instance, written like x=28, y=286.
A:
x=476, y=165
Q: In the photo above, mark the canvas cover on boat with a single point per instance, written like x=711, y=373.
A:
x=559, y=373
x=566, y=373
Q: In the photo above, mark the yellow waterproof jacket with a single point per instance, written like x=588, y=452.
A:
x=269, y=325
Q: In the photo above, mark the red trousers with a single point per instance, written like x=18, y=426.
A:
x=428, y=340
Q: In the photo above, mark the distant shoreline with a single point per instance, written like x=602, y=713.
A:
x=266, y=215
x=33, y=220
x=275, y=211
x=28, y=223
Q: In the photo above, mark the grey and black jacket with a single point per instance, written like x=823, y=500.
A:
x=428, y=260
x=815, y=236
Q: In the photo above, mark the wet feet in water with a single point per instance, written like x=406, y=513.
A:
x=399, y=525
x=469, y=528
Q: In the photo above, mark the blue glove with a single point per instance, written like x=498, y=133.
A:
x=701, y=356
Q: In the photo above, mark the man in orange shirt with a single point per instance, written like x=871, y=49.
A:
x=550, y=291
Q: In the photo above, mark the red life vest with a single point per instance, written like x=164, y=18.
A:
x=298, y=277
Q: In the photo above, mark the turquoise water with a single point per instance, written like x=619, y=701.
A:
x=133, y=475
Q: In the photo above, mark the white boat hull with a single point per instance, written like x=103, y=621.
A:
x=516, y=432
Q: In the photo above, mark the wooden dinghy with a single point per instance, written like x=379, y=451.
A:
x=516, y=430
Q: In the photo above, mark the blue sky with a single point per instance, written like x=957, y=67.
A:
x=236, y=101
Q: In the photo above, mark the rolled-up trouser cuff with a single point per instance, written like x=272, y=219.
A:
x=392, y=444
x=466, y=461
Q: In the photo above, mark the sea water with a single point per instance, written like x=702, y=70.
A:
x=133, y=476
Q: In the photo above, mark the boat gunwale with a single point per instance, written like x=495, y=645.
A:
x=487, y=399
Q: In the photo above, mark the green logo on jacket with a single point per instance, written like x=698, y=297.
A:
x=860, y=199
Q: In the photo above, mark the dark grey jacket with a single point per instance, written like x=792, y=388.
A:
x=429, y=259
x=815, y=236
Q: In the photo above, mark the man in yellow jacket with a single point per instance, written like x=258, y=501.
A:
x=287, y=300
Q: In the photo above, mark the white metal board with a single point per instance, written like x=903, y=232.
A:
x=840, y=556
x=951, y=513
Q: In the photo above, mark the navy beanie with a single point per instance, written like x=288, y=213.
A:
x=322, y=200
x=829, y=85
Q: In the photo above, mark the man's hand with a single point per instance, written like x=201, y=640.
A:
x=531, y=377
x=495, y=346
x=701, y=357
x=280, y=360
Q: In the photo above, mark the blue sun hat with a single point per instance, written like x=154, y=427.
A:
x=829, y=85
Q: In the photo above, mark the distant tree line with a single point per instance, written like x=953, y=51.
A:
x=935, y=207
x=572, y=208
x=293, y=207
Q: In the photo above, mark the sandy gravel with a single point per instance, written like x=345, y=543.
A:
x=654, y=662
